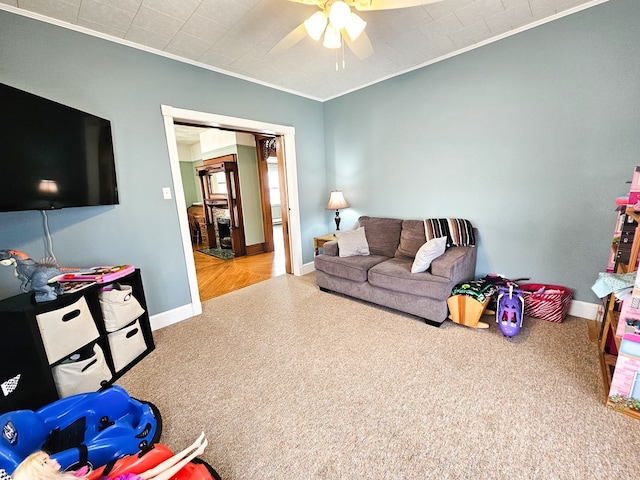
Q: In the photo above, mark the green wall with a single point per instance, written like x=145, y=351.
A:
x=190, y=184
x=250, y=191
x=249, y=187
x=531, y=138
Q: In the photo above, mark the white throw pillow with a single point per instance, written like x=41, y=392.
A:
x=352, y=242
x=428, y=253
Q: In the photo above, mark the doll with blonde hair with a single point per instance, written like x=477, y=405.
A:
x=40, y=466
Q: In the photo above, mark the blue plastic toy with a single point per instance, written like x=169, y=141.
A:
x=510, y=310
x=86, y=429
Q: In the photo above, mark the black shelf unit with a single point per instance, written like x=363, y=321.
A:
x=23, y=352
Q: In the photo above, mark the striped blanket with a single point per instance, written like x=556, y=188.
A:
x=459, y=232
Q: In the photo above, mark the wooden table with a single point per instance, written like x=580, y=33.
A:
x=318, y=242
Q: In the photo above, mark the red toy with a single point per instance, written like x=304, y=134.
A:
x=149, y=458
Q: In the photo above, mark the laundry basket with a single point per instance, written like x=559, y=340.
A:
x=548, y=302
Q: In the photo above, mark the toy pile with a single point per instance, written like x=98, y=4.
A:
x=98, y=435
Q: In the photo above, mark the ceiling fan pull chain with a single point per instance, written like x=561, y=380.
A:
x=337, y=60
x=343, y=62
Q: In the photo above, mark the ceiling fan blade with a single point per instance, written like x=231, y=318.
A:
x=290, y=40
x=362, y=47
x=367, y=5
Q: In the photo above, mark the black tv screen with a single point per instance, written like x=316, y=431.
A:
x=53, y=156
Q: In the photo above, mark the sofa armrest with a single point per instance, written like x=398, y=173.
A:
x=457, y=264
x=330, y=248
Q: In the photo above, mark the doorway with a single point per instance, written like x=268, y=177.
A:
x=235, y=200
x=287, y=140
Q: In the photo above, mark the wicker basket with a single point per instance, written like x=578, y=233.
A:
x=547, y=306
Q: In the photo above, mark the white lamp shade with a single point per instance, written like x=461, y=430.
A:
x=355, y=26
x=339, y=15
x=332, y=37
x=315, y=25
x=337, y=201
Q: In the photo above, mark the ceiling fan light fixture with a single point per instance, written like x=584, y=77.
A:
x=315, y=25
x=339, y=15
x=355, y=26
x=332, y=37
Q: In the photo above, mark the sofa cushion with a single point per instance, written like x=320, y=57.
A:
x=383, y=234
x=428, y=253
x=395, y=274
x=412, y=238
x=352, y=242
x=351, y=268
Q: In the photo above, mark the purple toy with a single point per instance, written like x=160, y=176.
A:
x=510, y=310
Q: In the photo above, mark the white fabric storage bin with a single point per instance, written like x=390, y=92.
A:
x=66, y=329
x=126, y=344
x=119, y=306
x=85, y=375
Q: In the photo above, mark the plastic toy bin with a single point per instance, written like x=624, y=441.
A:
x=548, y=302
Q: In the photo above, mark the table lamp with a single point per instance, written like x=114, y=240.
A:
x=336, y=202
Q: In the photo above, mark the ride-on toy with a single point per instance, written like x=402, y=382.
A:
x=510, y=310
x=85, y=429
x=148, y=458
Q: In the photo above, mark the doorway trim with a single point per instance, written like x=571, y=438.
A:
x=172, y=115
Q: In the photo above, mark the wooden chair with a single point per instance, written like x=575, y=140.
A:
x=194, y=229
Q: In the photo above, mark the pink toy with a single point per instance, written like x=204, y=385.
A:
x=102, y=274
x=622, y=200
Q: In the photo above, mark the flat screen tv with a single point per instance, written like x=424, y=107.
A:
x=53, y=156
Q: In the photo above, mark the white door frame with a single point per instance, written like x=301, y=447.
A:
x=172, y=115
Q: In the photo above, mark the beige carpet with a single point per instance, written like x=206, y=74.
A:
x=292, y=383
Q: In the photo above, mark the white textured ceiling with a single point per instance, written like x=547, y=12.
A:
x=188, y=135
x=235, y=36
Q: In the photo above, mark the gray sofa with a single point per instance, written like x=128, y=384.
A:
x=384, y=277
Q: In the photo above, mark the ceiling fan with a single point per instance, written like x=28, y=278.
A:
x=337, y=22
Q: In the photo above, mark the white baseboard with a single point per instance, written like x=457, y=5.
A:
x=578, y=309
x=164, y=319
x=584, y=310
x=308, y=268
x=170, y=317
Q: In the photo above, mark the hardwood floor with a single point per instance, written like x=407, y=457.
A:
x=217, y=277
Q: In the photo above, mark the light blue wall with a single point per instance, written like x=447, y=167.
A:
x=531, y=138
x=128, y=86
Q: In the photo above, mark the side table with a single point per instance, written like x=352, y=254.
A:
x=318, y=242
